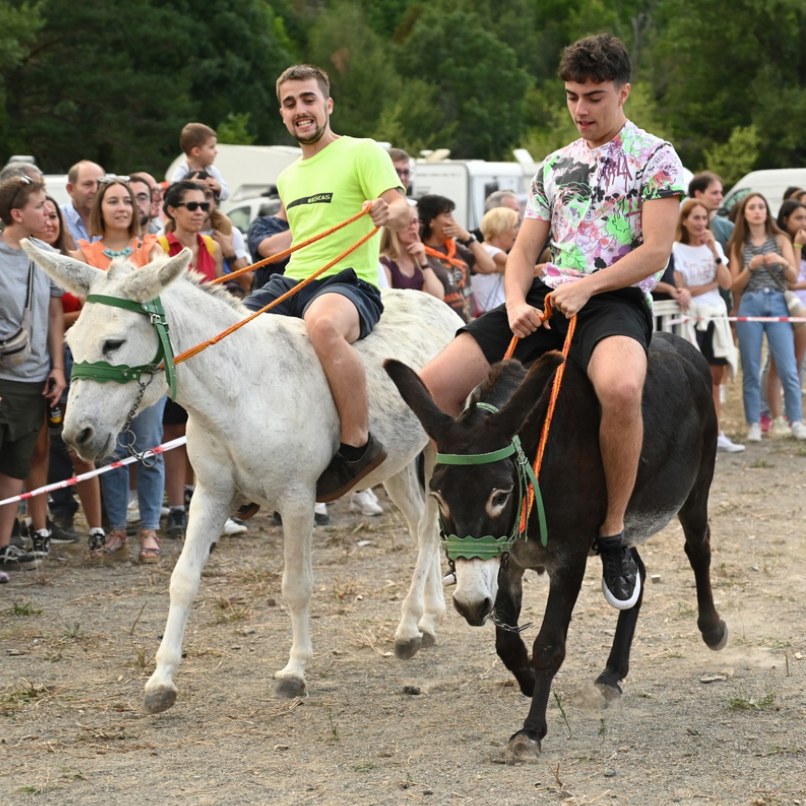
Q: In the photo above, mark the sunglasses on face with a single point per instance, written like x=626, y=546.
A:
x=194, y=205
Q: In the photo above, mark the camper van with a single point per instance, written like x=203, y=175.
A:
x=469, y=182
x=771, y=184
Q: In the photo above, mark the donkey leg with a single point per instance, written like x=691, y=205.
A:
x=618, y=662
x=404, y=490
x=548, y=654
x=694, y=519
x=508, y=643
x=297, y=591
x=205, y=521
x=429, y=543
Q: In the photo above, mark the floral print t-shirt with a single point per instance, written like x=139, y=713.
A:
x=593, y=198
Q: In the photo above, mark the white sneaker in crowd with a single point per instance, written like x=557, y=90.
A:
x=779, y=428
x=365, y=502
x=799, y=430
x=754, y=432
x=724, y=443
x=133, y=511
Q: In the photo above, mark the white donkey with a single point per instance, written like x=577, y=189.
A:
x=262, y=427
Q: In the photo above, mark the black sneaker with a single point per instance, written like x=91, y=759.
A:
x=61, y=535
x=177, y=521
x=321, y=517
x=40, y=543
x=17, y=538
x=341, y=475
x=621, y=580
x=12, y=557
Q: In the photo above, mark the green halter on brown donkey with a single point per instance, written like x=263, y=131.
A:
x=479, y=502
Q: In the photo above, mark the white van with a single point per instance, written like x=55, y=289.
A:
x=771, y=184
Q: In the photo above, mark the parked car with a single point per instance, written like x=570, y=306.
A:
x=243, y=212
x=771, y=183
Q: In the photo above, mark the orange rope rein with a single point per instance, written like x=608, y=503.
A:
x=555, y=391
x=190, y=352
x=286, y=252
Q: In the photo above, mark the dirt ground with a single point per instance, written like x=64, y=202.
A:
x=77, y=642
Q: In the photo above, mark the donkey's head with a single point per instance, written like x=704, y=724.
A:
x=111, y=336
x=477, y=481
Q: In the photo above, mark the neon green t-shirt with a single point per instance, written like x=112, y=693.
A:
x=328, y=188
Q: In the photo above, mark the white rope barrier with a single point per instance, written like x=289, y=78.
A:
x=60, y=485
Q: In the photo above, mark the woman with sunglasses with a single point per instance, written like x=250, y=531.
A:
x=115, y=217
x=187, y=210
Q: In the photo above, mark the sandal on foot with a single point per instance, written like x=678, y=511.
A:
x=149, y=554
x=114, y=543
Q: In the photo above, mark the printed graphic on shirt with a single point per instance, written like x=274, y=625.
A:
x=593, y=198
x=319, y=198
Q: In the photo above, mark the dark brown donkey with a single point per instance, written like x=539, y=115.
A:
x=479, y=481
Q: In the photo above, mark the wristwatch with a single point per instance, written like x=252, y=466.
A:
x=468, y=241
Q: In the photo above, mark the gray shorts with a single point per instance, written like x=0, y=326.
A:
x=365, y=297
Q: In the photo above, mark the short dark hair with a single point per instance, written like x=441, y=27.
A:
x=14, y=195
x=429, y=207
x=302, y=72
x=702, y=181
x=791, y=191
x=598, y=58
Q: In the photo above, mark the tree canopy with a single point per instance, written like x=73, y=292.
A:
x=116, y=82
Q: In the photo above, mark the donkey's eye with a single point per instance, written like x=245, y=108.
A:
x=500, y=497
x=110, y=345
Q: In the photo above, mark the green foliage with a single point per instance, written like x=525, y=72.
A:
x=479, y=86
x=116, y=82
x=733, y=159
x=235, y=130
x=357, y=61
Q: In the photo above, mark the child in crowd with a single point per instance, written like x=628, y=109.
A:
x=199, y=145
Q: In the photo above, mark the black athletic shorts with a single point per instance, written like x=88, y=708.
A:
x=613, y=313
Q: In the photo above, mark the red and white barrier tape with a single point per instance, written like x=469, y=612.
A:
x=681, y=319
x=60, y=485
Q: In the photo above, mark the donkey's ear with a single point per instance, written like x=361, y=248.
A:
x=419, y=400
x=73, y=275
x=533, y=391
x=148, y=283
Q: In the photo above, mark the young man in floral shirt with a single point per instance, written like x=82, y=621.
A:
x=606, y=205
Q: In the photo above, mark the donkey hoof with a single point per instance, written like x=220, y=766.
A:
x=428, y=639
x=290, y=687
x=717, y=639
x=608, y=688
x=159, y=700
x=521, y=749
x=404, y=650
